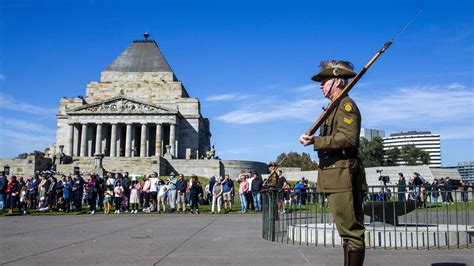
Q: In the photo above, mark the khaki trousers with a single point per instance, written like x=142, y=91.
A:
x=346, y=209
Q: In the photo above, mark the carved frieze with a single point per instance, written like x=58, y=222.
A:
x=120, y=106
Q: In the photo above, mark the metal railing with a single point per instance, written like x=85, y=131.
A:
x=405, y=218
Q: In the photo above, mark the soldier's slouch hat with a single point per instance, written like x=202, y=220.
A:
x=334, y=69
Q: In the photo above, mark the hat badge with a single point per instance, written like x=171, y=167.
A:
x=336, y=72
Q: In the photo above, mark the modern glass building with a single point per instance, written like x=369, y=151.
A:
x=421, y=139
x=370, y=133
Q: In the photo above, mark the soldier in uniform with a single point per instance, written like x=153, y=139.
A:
x=341, y=174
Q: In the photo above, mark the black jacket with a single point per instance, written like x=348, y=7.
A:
x=257, y=185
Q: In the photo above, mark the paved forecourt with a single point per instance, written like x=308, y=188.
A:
x=175, y=240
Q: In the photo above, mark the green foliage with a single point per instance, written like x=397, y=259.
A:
x=412, y=155
x=372, y=152
x=393, y=155
x=294, y=159
x=22, y=155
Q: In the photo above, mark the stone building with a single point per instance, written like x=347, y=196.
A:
x=137, y=109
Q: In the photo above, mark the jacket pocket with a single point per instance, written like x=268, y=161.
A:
x=336, y=176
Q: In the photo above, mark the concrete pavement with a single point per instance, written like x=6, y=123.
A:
x=175, y=239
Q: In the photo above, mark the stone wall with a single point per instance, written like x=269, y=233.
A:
x=133, y=165
x=206, y=168
x=26, y=167
x=392, y=171
x=235, y=167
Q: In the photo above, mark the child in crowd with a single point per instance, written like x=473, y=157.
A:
x=23, y=193
x=134, y=197
x=118, y=193
x=108, y=199
x=162, y=190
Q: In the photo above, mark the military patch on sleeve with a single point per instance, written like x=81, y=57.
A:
x=348, y=120
x=348, y=107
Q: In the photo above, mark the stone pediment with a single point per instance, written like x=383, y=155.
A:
x=121, y=105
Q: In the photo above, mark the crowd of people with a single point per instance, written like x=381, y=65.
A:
x=419, y=189
x=118, y=192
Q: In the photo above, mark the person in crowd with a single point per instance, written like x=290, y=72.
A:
x=195, y=192
x=228, y=187
x=126, y=183
x=162, y=190
x=299, y=186
x=43, y=185
x=256, y=190
x=134, y=195
x=248, y=194
x=23, y=199
x=108, y=196
x=100, y=184
x=77, y=192
x=434, y=191
x=60, y=193
x=243, y=189
x=146, y=192
x=181, y=193
x=110, y=179
x=33, y=191
x=12, y=193
x=91, y=188
x=216, y=196
x=286, y=196
x=3, y=190
x=449, y=188
x=464, y=190
x=153, y=190
x=210, y=185
x=279, y=185
x=417, y=183
x=401, y=185
x=118, y=194
x=67, y=192
x=51, y=192
x=442, y=188
x=172, y=190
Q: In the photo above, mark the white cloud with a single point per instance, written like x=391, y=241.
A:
x=23, y=125
x=419, y=105
x=444, y=109
x=307, y=87
x=456, y=86
x=276, y=109
x=226, y=97
x=9, y=103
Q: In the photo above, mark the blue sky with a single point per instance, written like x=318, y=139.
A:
x=250, y=63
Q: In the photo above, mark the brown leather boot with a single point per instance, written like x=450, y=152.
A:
x=345, y=244
x=355, y=256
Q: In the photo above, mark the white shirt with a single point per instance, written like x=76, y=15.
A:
x=162, y=191
x=153, y=184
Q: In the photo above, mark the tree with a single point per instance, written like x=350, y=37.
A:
x=371, y=152
x=22, y=155
x=413, y=155
x=294, y=159
x=393, y=156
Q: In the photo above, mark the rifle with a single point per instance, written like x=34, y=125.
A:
x=327, y=111
x=274, y=170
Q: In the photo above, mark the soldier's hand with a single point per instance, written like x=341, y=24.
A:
x=306, y=139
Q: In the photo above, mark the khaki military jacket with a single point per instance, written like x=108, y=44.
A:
x=337, y=147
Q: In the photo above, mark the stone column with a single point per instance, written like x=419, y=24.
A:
x=143, y=141
x=128, y=141
x=158, y=140
x=76, y=140
x=70, y=139
x=113, y=141
x=119, y=139
x=83, y=140
x=172, y=138
x=98, y=139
